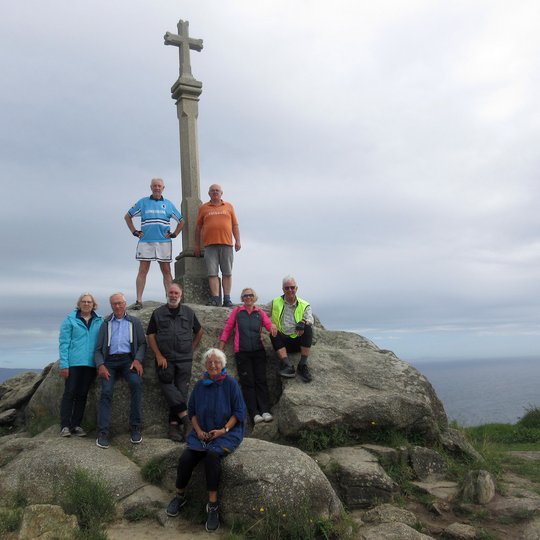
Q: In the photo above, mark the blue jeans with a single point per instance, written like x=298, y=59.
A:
x=116, y=369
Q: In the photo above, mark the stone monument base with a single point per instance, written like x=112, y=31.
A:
x=190, y=272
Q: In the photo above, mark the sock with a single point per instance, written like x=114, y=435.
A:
x=185, y=420
x=226, y=297
x=285, y=361
x=303, y=360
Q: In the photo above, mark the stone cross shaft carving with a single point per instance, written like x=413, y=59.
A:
x=184, y=43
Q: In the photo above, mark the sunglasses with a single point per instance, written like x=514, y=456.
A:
x=248, y=295
x=290, y=288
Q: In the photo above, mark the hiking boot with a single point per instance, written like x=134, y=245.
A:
x=257, y=419
x=65, y=432
x=136, y=436
x=214, y=301
x=78, y=432
x=227, y=303
x=267, y=417
x=287, y=371
x=212, y=521
x=137, y=306
x=174, y=433
x=174, y=506
x=103, y=440
x=303, y=373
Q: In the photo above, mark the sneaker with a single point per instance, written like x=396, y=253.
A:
x=213, y=302
x=137, y=306
x=65, y=432
x=212, y=521
x=78, y=432
x=257, y=419
x=174, y=433
x=227, y=303
x=174, y=506
x=304, y=374
x=103, y=440
x=267, y=417
x=287, y=371
x=136, y=436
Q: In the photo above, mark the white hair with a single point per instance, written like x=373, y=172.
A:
x=215, y=352
x=286, y=279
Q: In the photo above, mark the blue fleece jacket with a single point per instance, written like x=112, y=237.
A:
x=77, y=342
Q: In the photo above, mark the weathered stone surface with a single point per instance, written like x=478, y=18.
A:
x=460, y=531
x=442, y=489
x=17, y=390
x=40, y=467
x=478, y=487
x=386, y=513
x=391, y=531
x=7, y=416
x=356, y=476
x=426, y=463
x=385, y=455
x=47, y=522
x=532, y=530
x=454, y=441
x=521, y=497
x=261, y=474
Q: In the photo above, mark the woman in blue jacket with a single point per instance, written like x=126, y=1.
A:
x=78, y=336
x=217, y=412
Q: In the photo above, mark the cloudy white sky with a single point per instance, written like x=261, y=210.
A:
x=385, y=153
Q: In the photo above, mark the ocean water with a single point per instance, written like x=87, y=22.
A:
x=485, y=391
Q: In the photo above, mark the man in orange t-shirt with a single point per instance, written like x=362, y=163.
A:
x=217, y=224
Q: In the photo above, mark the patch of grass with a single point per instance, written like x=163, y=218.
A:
x=140, y=513
x=531, y=418
x=321, y=439
x=523, y=514
x=11, y=515
x=482, y=534
x=293, y=523
x=522, y=467
x=88, y=498
x=419, y=526
x=10, y=520
x=154, y=471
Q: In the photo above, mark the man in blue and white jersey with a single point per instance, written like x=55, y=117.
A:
x=155, y=236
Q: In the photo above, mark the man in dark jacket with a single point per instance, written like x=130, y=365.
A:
x=173, y=333
x=120, y=352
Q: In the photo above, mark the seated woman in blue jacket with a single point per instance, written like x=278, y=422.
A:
x=78, y=336
x=217, y=412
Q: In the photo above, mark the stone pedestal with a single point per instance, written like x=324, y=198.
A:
x=190, y=272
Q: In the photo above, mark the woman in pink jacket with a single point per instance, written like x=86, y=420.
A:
x=248, y=321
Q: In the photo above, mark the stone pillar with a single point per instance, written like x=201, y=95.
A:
x=190, y=271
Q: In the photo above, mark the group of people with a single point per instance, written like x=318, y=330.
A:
x=212, y=420
x=216, y=227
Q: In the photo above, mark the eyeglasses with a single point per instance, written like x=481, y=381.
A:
x=248, y=295
x=213, y=362
x=290, y=288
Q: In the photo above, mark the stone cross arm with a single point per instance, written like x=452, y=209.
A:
x=184, y=44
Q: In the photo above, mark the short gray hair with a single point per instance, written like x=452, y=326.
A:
x=215, y=352
x=117, y=294
x=288, y=278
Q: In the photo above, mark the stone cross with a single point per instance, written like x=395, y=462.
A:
x=184, y=43
x=190, y=271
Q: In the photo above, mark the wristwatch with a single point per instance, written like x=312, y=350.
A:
x=226, y=429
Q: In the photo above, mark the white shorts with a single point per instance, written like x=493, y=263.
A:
x=154, y=251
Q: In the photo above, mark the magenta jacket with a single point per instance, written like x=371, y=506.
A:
x=232, y=322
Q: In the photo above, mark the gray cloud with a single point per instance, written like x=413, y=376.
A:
x=383, y=153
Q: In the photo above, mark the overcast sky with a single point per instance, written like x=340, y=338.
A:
x=385, y=153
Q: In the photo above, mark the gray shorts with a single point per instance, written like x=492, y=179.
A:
x=218, y=256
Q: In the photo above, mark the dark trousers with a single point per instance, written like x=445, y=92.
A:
x=76, y=390
x=251, y=368
x=188, y=461
x=293, y=344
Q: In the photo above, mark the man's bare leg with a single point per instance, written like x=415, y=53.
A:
x=140, y=282
x=213, y=282
x=227, y=285
x=167, y=276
